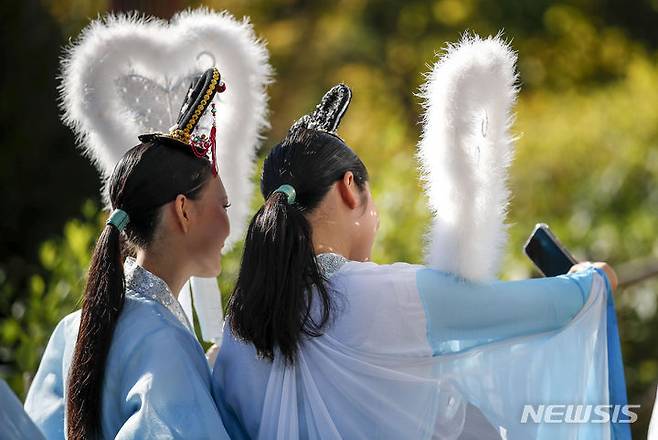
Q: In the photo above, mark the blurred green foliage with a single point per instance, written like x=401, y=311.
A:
x=586, y=162
x=47, y=298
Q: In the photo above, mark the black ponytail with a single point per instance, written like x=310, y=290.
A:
x=147, y=177
x=103, y=300
x=273, y=304
x=280, y=239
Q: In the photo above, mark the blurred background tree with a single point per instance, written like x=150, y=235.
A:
x=587, y=155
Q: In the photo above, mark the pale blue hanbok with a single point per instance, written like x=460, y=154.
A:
x=417, y=353
x=15, y=424
x=157, y=380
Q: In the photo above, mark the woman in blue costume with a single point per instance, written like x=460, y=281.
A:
x=128, y=365
x=322, y=343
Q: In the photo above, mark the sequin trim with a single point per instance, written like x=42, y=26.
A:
x=330, y=263
x=143, y=284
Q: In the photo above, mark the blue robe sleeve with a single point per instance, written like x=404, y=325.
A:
x=45, y=399
x=167, y=391
x=15, y=424
x=462, y=314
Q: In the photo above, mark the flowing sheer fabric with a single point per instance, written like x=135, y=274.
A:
x=374, y=373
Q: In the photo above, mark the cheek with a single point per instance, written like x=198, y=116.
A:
x=219, y=225
x=224, y=223
x=214, y=229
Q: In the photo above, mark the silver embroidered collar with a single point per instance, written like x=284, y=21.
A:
x=143, y=284
x=330, y=263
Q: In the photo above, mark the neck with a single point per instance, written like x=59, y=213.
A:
x=168, y=269
x=328, y=240
x=328, y=248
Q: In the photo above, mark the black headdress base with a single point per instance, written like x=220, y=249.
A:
x=199, y=98
x=328, y=113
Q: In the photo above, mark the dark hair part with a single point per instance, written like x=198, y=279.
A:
x=271, y=306
x=148, y=176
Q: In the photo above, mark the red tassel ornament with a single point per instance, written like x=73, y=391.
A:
x=201, y=143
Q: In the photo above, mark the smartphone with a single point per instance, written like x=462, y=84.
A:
x=546, y=251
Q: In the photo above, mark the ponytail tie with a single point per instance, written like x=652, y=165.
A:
x=289, y=191
x=119, y=219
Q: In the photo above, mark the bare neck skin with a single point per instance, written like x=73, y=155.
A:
x=332, y=223
x=330, y=235
x=166, y=267
x=167, y=257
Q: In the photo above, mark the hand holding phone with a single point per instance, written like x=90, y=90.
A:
x=552, y=258
x=546, y=251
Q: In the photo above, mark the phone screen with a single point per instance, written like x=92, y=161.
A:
x=547, y=253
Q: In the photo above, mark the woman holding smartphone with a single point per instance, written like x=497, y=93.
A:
x=327, y=344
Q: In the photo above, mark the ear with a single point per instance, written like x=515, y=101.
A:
x=182, y=209
x=348, y=190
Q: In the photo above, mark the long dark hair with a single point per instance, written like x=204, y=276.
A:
x=148, y=176
x=271, y=304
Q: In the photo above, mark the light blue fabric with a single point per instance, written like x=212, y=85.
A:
x=15, y=424
x=157, y=380
x=241, y=414
x=621, y=430
x=462, y=314
x=374, y=373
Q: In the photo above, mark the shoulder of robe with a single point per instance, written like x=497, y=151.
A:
x=140, y=320
x=140, y=324
x=68, y=325
x=369, y=269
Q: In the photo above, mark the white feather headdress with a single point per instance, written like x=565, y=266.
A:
x=128, y=75
x=465, y=152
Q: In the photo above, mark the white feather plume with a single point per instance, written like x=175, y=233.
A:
x=163, y=57
x=465, y=152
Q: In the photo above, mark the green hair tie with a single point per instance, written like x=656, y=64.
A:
x=119, y=219
x=289, y=191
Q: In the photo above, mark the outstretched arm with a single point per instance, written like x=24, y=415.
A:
x=462, y=314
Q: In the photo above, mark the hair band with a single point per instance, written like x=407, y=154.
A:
x=289, y=191
x=119, y=219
